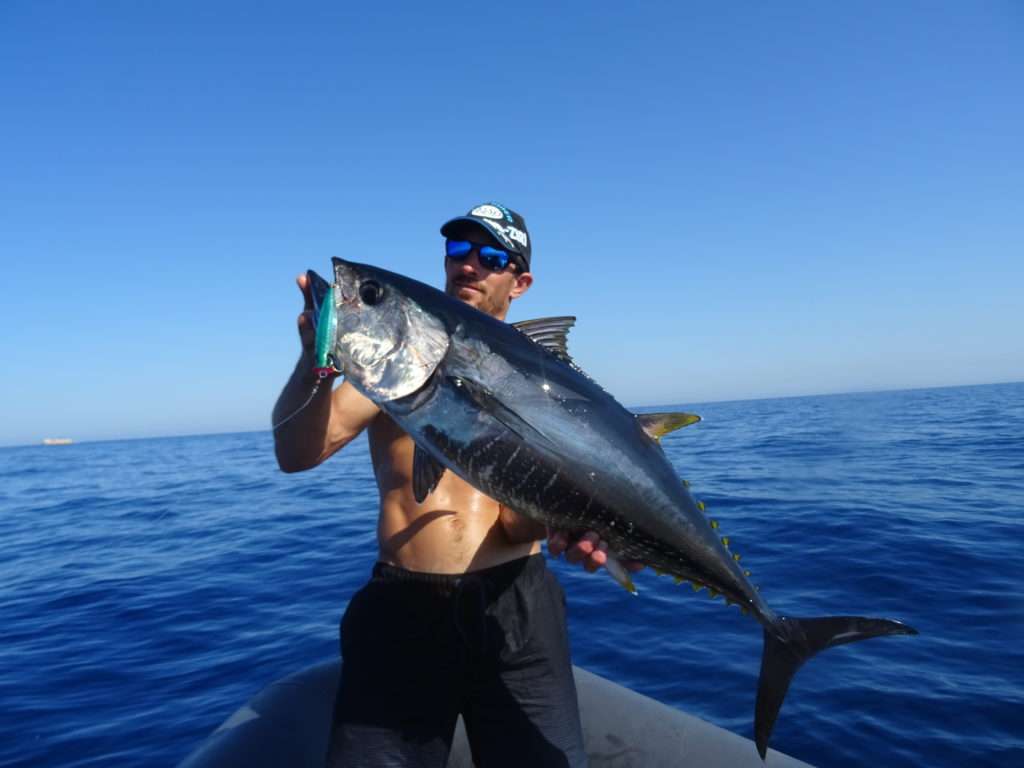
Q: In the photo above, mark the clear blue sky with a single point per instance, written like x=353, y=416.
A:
x=737, y=200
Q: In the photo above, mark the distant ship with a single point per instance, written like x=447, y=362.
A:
x=57, y=441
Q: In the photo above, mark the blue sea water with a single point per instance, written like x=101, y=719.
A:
x=149, y=587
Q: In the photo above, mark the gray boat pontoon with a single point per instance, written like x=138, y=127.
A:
x=286, y=725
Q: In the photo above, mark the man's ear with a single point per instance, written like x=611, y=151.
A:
x=523, y=282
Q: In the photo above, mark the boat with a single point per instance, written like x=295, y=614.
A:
x=57, y=441
x=287, y=724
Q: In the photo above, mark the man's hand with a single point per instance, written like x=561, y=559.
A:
x=589, y=549
x=306, y=321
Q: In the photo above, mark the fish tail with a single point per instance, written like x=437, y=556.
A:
x=789, y=643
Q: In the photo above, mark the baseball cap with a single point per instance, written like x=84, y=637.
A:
x=507, y=227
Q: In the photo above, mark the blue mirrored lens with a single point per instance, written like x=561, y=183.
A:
x=492, y=258
x=457, y=249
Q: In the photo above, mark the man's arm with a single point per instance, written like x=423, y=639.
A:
x=329, y=423
x=307, y=433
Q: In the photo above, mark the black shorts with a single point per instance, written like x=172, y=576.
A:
x=418, y=649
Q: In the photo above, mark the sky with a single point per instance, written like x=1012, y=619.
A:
x=736, y=200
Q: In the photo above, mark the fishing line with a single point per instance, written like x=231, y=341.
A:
x=300, y=409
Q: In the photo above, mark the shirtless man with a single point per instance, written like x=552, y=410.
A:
x=461, y=614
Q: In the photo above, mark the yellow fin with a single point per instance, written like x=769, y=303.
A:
x=658, y=424
x=700, y=505
x=714, y=523
x=725, y=541
x=736, y=557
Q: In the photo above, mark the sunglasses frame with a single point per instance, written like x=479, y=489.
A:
x=494, y=259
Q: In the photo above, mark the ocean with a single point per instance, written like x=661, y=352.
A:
x=150, y=587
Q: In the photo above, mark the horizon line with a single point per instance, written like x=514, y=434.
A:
x=40, y=444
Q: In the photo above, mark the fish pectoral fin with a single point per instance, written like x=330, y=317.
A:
x=426, y=473
x=487, y=402
x=659, y=424
x=618, y=572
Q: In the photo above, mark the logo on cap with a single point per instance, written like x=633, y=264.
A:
x=513, y=234
x=487, y=212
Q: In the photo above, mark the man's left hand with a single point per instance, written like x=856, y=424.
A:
x=589, y=549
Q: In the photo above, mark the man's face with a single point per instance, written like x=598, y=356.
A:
x=475, y=284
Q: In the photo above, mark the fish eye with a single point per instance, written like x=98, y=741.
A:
x=371, y=292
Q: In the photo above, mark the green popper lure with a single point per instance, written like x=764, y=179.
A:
x=326, y=320
x=326, y=328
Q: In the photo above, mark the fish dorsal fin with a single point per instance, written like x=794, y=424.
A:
x=549, y=332
x=658, y=424
x=426, y=472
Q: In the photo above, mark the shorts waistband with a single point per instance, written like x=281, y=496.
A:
x=496, y=576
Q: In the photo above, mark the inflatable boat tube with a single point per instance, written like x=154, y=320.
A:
x=287, y=724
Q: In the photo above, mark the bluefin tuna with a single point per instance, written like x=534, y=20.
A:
x=504, y=407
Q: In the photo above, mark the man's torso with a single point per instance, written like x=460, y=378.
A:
x=456, y=529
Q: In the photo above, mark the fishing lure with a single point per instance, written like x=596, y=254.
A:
x=325, y=321
x=326, y=328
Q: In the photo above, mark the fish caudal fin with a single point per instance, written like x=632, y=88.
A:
x=790, y=643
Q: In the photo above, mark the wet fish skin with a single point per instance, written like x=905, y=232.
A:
x=525, y=426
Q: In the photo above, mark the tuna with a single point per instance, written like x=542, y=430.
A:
x=504, y=407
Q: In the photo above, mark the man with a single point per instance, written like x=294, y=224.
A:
x=461, y=614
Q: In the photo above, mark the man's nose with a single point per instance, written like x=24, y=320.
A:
x=471, y=263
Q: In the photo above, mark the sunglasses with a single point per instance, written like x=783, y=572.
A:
x=494, y=259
